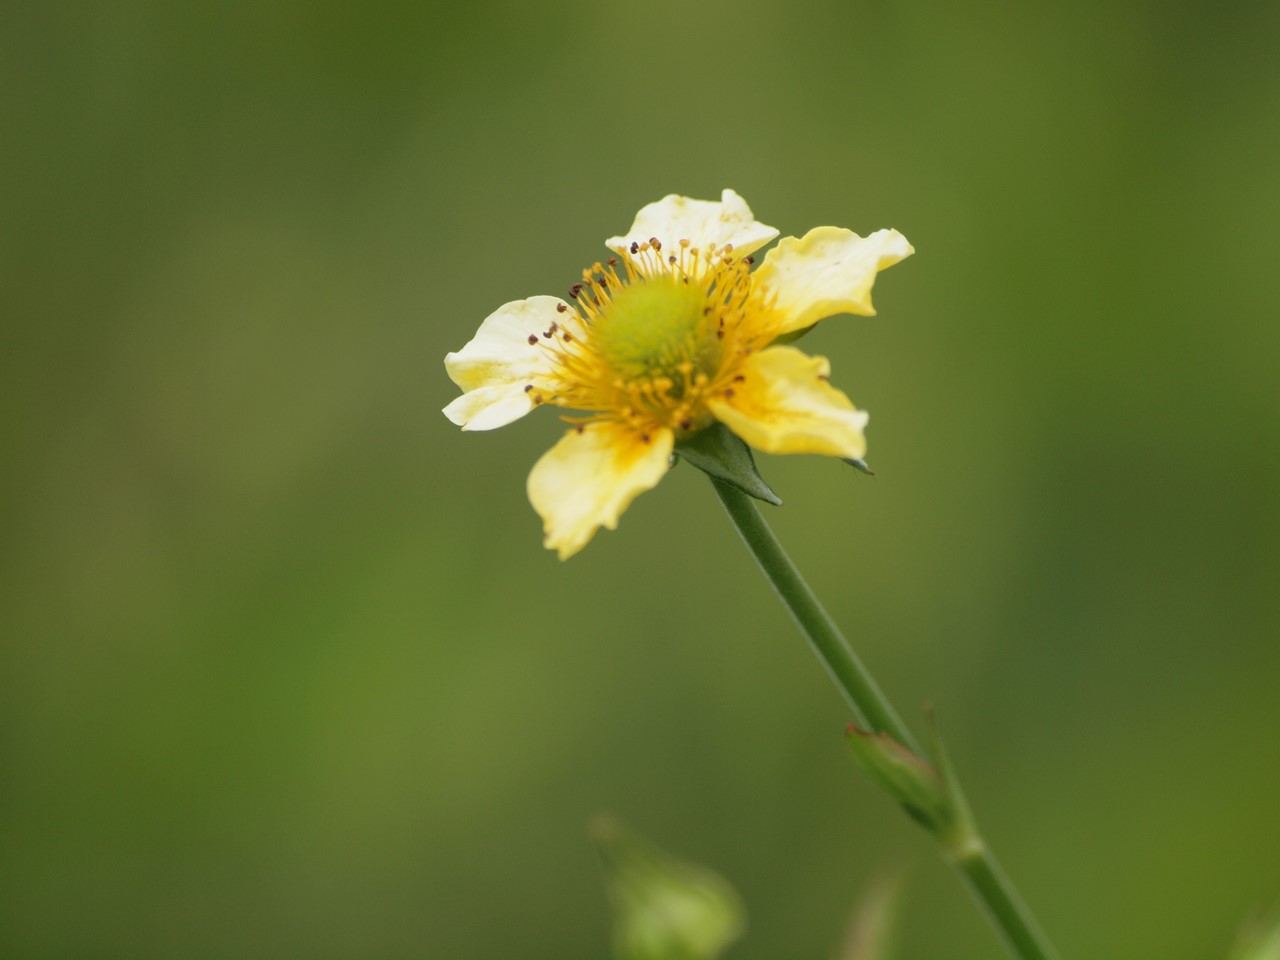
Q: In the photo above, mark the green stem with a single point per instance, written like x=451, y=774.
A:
x=1002, y=905
x=873, y=712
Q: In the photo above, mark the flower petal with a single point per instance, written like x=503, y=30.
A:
x=784, y=404
x=498, y=364
x=829, y=270
x=587, y=479
x=701, y=222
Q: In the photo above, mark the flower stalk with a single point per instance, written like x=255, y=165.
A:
x=948, y=817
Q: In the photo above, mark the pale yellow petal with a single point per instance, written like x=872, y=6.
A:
x=784, y=404
x=701, y=222
x=590, y=477
x=827, y=271
x=499, y=363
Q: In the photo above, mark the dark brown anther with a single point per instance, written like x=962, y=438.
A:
x=671, y=259
x=603, y=282
x=728, y=394
x=655, y=243
x=566, y=337
x=635, y=247
x=561, y=308
x=595, y=301
x=580, y=427
x=644, y=438
x=612, y=261
x=749, y=259
x=720, y=334
x=528, y=387
x=533, y=338
x=739, y=379
x=686, y=424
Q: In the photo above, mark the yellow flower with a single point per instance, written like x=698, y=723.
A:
x=657, y=343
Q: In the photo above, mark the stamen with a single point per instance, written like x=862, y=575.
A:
x=650, y=335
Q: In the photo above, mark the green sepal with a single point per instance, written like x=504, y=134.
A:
x=664, y=908
x=793, y=336
x=859, y=465
x=718, y=452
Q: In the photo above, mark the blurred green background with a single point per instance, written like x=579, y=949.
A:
x=285, y=670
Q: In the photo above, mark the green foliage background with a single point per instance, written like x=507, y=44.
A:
x=285, y=670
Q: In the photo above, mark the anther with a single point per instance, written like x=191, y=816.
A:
x=528, y=387
x=635, y=247
x=655, y=243
x=561, y=308
x=749, y=259
x=581, y=427
x=686, y=424
x=728, y=394
x=671, y=259
x=533, y=338
x=644, y=438
x=739, y=379
x=612, y=261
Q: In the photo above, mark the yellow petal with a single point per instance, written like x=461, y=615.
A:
x=783, y=404
x=701, y=222
x=827, y=271
x=587, y=479
x=499, y=363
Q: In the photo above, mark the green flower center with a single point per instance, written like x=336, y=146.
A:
x=654, y=327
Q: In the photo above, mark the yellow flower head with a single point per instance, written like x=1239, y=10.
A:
x=660, y=341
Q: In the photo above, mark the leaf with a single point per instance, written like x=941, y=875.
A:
x=718, y=452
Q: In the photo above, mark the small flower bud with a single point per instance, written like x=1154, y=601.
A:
x=664, y=908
